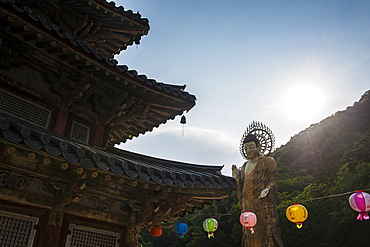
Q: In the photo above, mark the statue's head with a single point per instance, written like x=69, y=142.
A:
x=252, y=147
x=251, y=138
x=261, y=136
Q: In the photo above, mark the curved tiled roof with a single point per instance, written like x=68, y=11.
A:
x=98, y=6
x=53, y=31
x=119, y=162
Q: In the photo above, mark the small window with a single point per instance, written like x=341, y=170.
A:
x=17, y=230
x=83, y=236
x=25, y=110
x=80, y=132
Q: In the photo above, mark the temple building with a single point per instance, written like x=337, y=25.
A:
x=64, y=103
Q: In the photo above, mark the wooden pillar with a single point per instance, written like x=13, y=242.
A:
x=52, y=235
x=131, y=234
x=99, y=136
x=54, y=223
x=62, y=119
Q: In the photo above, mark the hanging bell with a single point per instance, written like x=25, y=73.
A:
x=183, y=120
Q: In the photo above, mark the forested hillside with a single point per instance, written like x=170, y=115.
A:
x=320, y=168
x=326, y=141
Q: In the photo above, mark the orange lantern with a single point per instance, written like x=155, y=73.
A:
x=156, y=231
x=297, y=213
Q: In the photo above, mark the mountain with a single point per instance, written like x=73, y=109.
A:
x=320, y=168
x=329, y=141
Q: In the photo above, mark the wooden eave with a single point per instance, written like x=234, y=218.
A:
x=110, y=182
x=159, y=102
x=108, y=28
x=108, y=11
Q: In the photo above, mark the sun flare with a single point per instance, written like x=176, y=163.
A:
x=302, y=101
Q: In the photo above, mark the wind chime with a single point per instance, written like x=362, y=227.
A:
x=183, y=122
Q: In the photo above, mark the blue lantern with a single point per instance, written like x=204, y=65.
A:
x=181, y=228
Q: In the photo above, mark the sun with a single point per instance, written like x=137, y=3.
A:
x=302, y=101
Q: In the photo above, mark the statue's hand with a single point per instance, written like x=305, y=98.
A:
x=234, y=170
x=264, y=192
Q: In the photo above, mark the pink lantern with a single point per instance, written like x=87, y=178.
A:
x=248, y=219
x=360, y=202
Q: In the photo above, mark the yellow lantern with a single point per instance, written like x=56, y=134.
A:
x=297, y=213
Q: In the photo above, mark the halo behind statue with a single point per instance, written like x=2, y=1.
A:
x=264, y=136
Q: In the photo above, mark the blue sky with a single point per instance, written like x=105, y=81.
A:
x=288, y=64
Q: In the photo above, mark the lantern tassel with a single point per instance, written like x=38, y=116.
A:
x=210, y=234
x=366, y=216
x=363, y=216
x=252, y=230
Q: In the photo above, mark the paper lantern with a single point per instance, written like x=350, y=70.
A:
x=210, y=225
x=297, y=213
x=156, y=231
x=360, y=202
x=248, y=219
x=181, y=228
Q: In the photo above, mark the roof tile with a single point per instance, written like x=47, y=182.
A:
x=118, y=161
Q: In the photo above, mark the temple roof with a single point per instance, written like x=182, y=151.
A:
x=120, y=27
x=54, y=32
x=137, y=103
x=119, y=162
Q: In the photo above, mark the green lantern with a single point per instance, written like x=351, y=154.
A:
x=210, y=225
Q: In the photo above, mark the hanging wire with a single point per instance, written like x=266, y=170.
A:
x=312, y=199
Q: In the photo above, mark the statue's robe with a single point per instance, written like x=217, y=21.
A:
x=249, y=187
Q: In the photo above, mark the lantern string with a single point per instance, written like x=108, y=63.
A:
x=312, y=199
